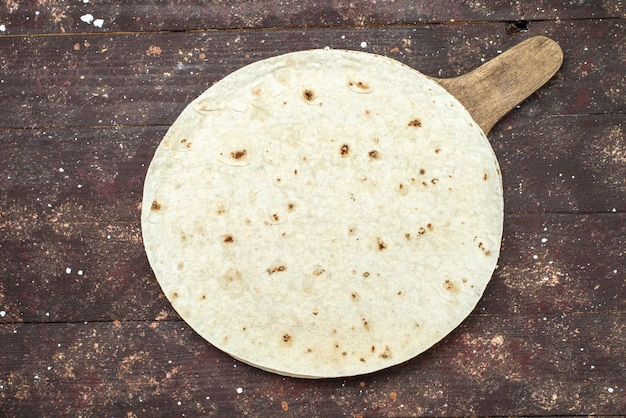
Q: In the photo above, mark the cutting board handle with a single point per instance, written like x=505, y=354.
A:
x=493, y=89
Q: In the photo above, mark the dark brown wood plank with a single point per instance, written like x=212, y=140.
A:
x=58, y=16
x=77, y=272
x=562, y=163
x=559, y=263
x=491, y=365
x=127, y=79
x=72, y=272
x=75, y=174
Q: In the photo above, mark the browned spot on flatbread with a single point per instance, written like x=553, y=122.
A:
x=360, y=85
x=483, y=248
x=381, y=244
x=232, y=281
x=308, y=95
x=415, y=123
x=318, y=271
x=156, y=206
x=366, y=324
x=276, y=269
x=238, y=154
x=344, y=151
x=386, y=354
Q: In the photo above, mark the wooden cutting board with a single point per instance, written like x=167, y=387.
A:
x=273, y=151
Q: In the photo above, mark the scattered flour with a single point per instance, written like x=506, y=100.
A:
x=88, y=18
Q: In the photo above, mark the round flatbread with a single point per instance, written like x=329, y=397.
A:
x=323, y=213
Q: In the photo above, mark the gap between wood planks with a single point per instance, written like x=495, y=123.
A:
x=330, y=27
x=182, y=322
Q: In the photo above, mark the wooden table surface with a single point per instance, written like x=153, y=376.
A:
x=88, y=89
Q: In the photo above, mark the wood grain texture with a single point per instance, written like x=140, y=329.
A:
x=126, y=79
x=84, y=327
x=561, y=364
x=58, y=16
x=493, y=89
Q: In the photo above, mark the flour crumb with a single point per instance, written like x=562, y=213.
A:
x=88, y=18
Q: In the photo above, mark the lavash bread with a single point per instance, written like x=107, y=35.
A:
x=323, y=213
